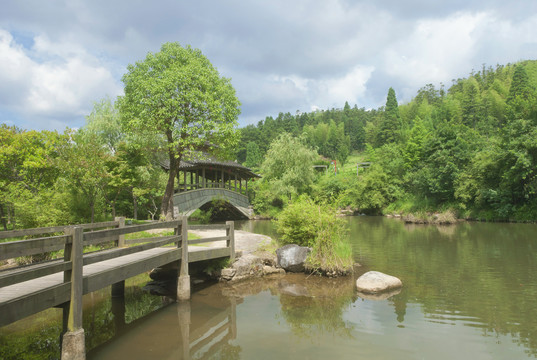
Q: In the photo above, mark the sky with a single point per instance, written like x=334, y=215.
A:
x=59, y=57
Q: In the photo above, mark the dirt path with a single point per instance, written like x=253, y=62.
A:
x=246, y=242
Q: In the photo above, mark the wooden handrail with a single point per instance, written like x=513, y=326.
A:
x=13, y=249
x=17, y=248
x=52, y=229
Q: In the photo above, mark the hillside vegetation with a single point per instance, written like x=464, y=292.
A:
x=470, y=149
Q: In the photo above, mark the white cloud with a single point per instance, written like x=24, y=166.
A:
x=435, y=50
x=351, y=87
x=441, y=49
x=14, y=65
x=281, y=55
x=51, y=82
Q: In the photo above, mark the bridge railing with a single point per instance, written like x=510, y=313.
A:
x=211, y=185
x=69, y=292
x=229, y=227
x=66, y=242
x=43, y=244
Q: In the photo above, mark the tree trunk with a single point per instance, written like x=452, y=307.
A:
x=166, y=209
x=174, y=154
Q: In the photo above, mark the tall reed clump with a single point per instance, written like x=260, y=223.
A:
x=317, y=226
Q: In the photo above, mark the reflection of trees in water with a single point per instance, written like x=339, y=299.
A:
x=228, y=352
x=313, y=317
x=318, y=309
x=311, y=305
x=482, y=272
x=103, y=318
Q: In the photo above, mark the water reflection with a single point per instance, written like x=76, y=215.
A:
x=482, y=272
x=475, y=275
x=196, y=329
x=468, y=292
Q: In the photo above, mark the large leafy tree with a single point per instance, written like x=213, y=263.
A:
x=288, y=165
x=177, y=96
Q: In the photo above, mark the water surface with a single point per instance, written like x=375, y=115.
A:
x=469, y=293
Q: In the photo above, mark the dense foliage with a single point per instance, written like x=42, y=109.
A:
x=471, y=149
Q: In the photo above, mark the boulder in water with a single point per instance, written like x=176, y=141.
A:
x=292, y=257
x=373, y=282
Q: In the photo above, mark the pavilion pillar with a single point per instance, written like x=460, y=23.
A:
x=223, y=185
x=204, y=181
x=235, y=182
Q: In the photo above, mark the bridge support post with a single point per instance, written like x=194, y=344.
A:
x=230, y=233
x=73, y=341
x=183, y=283
x=118, y=289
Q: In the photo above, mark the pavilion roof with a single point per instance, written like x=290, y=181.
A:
x=211, y=163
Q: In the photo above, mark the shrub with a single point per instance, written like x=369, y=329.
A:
x=298, y=223
x=306, y=223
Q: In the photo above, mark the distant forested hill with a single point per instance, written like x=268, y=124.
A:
x=472, y=145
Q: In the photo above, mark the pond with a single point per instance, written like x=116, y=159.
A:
x=469, y=292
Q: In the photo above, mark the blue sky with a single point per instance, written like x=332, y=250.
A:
x=58, y=57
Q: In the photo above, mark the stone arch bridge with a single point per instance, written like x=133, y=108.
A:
x=205, y=183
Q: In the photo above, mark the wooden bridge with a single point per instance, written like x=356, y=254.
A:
x=25, y=290
x=201, y=182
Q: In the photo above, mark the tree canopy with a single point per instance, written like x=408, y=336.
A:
x=179, y=100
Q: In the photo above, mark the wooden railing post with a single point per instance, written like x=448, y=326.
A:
x=73, y=342
x=230, y=243
x=183, y=283
x=121, y=224
x=118, y=289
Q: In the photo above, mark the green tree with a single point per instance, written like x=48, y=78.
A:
x=414, y=151
x=288, y=165
x=253, y=155
x=27, y=175
x=178, y=96
x=520, y=85
x=391, y=122
x=104, y=123
x=83, y=165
